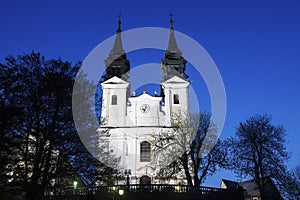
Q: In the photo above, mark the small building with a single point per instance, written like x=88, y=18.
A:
x=251, y=191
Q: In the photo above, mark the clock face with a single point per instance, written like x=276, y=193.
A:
x=145, y=108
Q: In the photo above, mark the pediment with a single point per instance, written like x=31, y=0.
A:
x=175, y=79
x=145, y=97
x=115, y=80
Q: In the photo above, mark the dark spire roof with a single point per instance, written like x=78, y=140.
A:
x=172, y=46
x=173, y=63
x=117, y=64
x=117, y=49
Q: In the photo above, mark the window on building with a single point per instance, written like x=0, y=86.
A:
x=176, y=99
x=114, y=100
x=145, y=155
x=126, y=148
x=106, y=145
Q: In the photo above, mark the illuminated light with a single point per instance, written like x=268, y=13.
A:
x=75, y=183
x=121, y=192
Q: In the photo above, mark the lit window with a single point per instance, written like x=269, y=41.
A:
x=176, y=99
x=145, y=155
x=114, y=100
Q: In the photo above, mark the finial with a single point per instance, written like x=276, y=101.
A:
x=119, y=24
x=156, y=93
x=171, y=21
x=145, y=91
x=134, y=93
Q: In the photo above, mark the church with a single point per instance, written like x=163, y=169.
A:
x=132, y=120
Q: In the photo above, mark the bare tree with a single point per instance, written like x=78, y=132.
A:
x=258, y=151
x=191, y=148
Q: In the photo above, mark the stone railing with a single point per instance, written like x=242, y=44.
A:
x=153, y=188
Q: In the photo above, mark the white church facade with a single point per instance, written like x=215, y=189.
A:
x=132, y=120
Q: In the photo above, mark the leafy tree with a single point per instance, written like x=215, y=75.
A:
x=40, y=141
x=258, y=151
x=297, y=180
x=10, y=110
x=291, y=184
x=191, y=148
x=41, y=90
x=92, y=136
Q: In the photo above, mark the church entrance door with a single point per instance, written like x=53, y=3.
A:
x=145, y=180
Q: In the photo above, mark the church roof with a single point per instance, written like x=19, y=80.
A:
x=230, y=184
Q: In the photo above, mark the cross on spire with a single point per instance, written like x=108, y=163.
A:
x=119, y=24
x=171, y=20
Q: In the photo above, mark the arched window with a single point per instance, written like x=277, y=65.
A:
x=114, y=100
x=176, y=99
x=145, y=152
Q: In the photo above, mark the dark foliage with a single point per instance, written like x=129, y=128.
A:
x=39, y=141
x=258, y=151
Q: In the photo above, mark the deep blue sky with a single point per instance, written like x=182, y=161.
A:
x=255, y=45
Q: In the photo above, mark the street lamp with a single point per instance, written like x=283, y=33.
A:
x=121, y=192
x=74, y=187
x=177, y=188
x=75, y=183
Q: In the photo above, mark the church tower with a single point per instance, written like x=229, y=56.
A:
x=174, y=85
x=115, y=86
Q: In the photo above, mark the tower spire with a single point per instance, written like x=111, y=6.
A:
x=172, y=46
x=173, y=63
x=117, y=64
x=118, y=46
